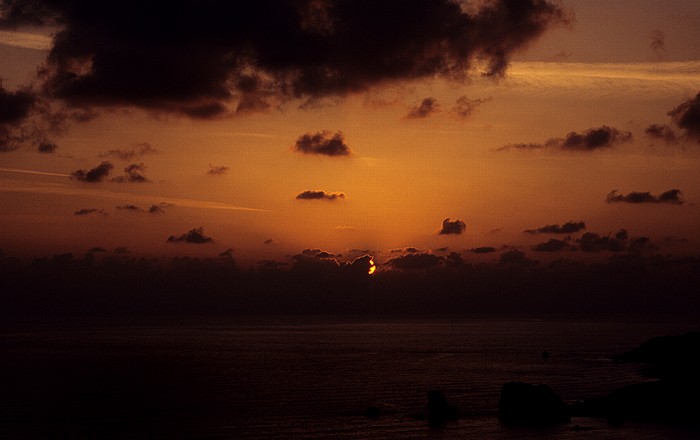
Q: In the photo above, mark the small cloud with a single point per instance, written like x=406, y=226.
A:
x=320, y=195
x=464, y=107
x=268, y=241
x=658, y=44
x=97, y=249
x=663, y=132
x=671, y=197
x=132, y=174
x=590, y=140
x=136, y=151
x=88, y=211
x=47, y=147
x=228, y=253
x=452, y=227
x=567, y=228
x=194, y=236
x=132, y=208
x=97, y=174
x=322, y=143
x=408, y=250
x=426, y=107
x=217, y=170
x=159, y=208
x=122, y=250
x=552, y=245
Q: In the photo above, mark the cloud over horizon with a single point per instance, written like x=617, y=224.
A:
x=671, y=196
x=193, y=236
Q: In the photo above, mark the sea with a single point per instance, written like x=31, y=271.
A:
x=302, y=377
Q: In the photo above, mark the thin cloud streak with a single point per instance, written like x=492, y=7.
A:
x=65, y=190
x=38, y=173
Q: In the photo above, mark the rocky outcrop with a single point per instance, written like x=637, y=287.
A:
x=439, y=410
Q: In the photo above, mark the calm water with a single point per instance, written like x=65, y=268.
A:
x=240, y=378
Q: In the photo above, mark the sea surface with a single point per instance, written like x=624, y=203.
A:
x=308, y=377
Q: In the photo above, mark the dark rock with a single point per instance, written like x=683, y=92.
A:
x=669, y=401
x=439, y=410
x=524, y=404
x=671, y=357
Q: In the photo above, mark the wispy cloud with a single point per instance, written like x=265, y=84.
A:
x=8, y=185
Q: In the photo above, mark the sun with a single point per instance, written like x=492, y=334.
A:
x=372, y=267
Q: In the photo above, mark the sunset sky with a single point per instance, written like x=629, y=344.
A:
x=349, y=126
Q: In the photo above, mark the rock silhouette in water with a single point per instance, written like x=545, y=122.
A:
x=439, y=410
x=674, y=398
x=524, y=404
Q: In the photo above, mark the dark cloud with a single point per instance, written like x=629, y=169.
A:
x=590, y=140
x=658, y=44
x=217, y=170
x=551, y=245
x=154, y=209
x=136, y=151
x=199, y=59
x=47, y=147
x=426, y=107
x=88, y=211
x=416, y=261
x=14, y=106
x=672, y=196
x=567, y=228
x=122, y=250
x=132, y=174
x=97, y=249
x=452, y=227
x=268, y=241
x=97, y=174
x=464, y=107
x=663, y=132
x=159, y=208
x=132, y=208
x=194, y=236
x=322, y=143
x=592, y=242
x=687, y=117
x=320, y=195
x=483, y=250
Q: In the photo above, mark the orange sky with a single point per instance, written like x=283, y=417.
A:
x=404, y=175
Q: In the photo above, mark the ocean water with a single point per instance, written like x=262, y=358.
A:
x=308, y=377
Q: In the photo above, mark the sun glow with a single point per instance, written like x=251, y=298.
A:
x=372, y=267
